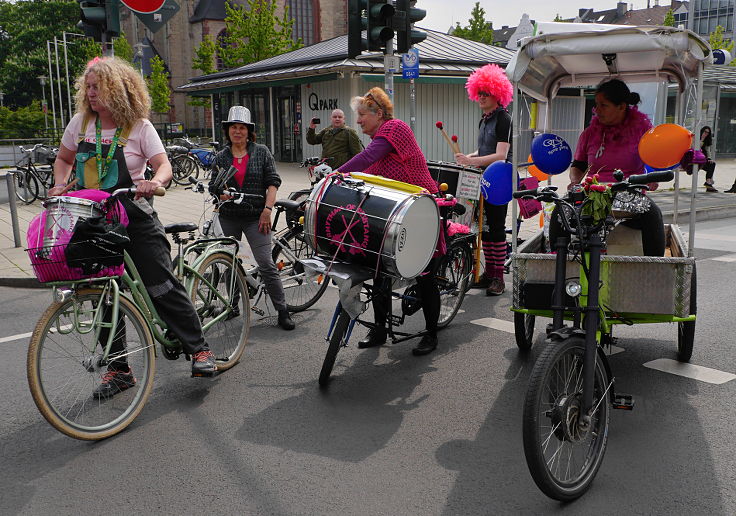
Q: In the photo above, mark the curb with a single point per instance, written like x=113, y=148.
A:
x=703, y=214
x=21, y=283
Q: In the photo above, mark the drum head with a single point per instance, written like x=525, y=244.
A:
x=416, y=236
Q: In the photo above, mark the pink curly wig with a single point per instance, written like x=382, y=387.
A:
x=492, y=79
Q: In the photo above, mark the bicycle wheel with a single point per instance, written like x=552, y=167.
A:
x=26, y=185
x=686, y=330
x=182, y=167
x=562, y=456
x=338, y=333
x=453, y=275
x=301, y=291
x=524, y=330
x=212, y=296
x=65, y=367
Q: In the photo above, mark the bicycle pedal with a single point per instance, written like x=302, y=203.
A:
x=623, y=402
x=205, y=375
x=258, y=310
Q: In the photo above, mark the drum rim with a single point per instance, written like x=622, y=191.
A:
x=67, y=199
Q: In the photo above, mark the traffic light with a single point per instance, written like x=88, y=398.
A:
x=406, y=36
x=99, y=17
x=379, y=28
x=357, y=23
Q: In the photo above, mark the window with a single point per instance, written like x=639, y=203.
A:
x=302, y=13
x=220, y=44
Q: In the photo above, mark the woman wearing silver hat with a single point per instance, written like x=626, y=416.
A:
x=256, y=174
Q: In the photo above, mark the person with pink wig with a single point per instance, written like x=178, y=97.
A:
x=491, y=89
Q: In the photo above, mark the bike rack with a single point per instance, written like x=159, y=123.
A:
x=13, y=207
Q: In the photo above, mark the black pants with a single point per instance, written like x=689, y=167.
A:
x=427, y=289
x=151, y=253
x=650, y=223
x=495, y=221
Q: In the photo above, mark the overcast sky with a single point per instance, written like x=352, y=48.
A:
x=442, y=14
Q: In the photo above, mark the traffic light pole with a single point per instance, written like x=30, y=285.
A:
x=388, y=74
x=412, y=105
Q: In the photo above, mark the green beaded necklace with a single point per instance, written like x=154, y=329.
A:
x=102, y=169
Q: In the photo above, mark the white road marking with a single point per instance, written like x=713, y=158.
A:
x=696, y=372
x=15, y=337
x=495, y=324
x=714, y=236
x=725, y=258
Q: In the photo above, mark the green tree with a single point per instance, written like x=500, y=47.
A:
x=204, y=61
x=158, y=86
x=477, y=29
x=255, y=33
x=24, y=122
x=25, y=26
x=669, y=19
x=122, y=48
x=717, y=41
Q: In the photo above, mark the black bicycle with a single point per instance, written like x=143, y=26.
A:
x=29, y=178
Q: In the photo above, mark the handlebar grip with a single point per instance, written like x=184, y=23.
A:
x=521, y=193
x=652, y=177
x=193, y=180
x=459, y=209
x=160, y=191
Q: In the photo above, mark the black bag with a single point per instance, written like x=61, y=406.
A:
x=96, y=243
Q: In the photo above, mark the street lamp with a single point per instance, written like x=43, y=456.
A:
x=2, y=97
x=43, y=78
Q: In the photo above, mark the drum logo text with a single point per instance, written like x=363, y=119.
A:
x=402, y=239
x=348, y=226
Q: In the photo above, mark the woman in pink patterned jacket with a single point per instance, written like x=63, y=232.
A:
x=394, y=153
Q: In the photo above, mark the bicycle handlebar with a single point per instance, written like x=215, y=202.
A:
x=158, y=192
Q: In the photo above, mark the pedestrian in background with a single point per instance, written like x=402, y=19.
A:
x=491, y=89
x=706, y=142
x=340, y=143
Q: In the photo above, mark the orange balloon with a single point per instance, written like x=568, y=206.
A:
x=664, y=145
x=533, y=170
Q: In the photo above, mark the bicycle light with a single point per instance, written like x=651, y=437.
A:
x=573, y=288
x=62, y=294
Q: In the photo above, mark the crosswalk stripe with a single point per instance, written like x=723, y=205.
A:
x=725, y=258
x=696, y=372
x=15, y=337
x=495, y=324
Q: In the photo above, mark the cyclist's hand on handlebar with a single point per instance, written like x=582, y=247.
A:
x=653, y=186
x=56, y=190
x=146, y=188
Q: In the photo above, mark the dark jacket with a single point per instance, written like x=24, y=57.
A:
x=338, y=144
x=259, y=175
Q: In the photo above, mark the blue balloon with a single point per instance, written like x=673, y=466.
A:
x=495, y=183
x=648, y=169
x=551, y=154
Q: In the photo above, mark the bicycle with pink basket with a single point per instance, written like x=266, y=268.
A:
x=96, y=303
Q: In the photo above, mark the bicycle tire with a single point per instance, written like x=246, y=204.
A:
x=453, y=275
x=549, y=425
x=26, y=185
x=301, y=291
x=227, y=339
x=341, y=328
x=60, y=367
x=524, y=330
x=182, y=167
x=686, y=330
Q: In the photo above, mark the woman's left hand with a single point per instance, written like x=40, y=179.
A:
x=264, y=222
x=652, y=186
x=146, y=188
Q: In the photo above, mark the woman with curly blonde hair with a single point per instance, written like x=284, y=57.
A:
x=108, y=142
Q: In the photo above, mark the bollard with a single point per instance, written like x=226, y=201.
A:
x=13, y=208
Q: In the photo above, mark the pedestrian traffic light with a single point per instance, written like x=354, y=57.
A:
x=99, y=17
x=406, y=35
x=357, y=23
x=379, y=28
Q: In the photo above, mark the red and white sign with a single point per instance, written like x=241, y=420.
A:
x=144, y=6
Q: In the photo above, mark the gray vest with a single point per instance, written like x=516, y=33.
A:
x=487, y=136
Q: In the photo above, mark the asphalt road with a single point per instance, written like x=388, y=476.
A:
x=393, y=434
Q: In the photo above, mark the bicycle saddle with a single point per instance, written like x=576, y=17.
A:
x=179, y=227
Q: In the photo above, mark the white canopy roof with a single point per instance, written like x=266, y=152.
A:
x=568, y=54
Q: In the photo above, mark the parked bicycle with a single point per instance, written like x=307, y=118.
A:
x=288, y=247
x=32, y=181
x=71, y=346
x=183, y=164
x=204, y=157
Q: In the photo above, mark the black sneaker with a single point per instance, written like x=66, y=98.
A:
x=376, y=337
x=285, y=320
x=203, y=363
x=496, y=288
x=426, y=345
x=113, y=382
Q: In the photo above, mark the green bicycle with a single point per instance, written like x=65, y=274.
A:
x=72, y=342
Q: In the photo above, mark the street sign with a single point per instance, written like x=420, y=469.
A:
x=144, y=6
x=391, y=63
x=154, y=21
x=410, y=64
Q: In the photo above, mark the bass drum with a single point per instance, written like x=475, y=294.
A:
x=372, y=225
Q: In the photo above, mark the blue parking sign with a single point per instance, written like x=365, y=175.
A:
x=410, y=64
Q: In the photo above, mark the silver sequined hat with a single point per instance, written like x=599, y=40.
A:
x=239, y=115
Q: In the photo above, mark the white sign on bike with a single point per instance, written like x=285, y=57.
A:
x=468, y=185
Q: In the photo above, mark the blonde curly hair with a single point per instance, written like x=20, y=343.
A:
x=121, y=90
x=374, y=100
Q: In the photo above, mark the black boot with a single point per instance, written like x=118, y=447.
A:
x=285, y=320
x=376, y=337
x=732, y=189
x=426, y=345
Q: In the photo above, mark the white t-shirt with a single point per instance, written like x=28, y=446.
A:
x=143, y=142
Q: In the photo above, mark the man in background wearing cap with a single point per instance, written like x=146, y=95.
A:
x=338, y=141
x=491, y=89
x=256, y=174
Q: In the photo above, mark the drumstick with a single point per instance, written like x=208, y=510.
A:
x=456, y=144
x=439, y=126
x=69, y=186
